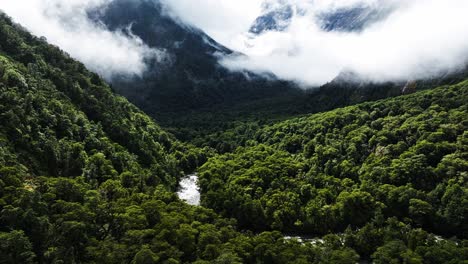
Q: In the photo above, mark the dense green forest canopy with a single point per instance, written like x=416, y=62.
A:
x=403, y=157
x=86, y=177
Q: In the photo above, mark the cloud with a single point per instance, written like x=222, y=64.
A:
x=223, y=20
x=419, y=39
x=66, y=24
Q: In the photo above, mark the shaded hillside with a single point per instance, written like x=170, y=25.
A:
x=190, y=78
x=194, y=97
x=52, y=108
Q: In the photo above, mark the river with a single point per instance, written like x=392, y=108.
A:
x=188, y=190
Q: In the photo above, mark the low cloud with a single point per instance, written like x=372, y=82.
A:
x=223, y=20
x=66, y=24
x=419, y=39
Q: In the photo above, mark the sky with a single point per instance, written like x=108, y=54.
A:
x=418, y=40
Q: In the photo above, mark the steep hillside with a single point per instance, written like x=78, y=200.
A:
x=53, y=108
x=403, y=158
x=86, y=177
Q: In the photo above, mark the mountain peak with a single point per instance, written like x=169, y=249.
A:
x=274, y=18
x=278, y=15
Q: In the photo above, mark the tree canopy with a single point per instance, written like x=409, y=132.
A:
x=86, y=177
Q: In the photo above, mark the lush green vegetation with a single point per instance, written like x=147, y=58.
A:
x=226, y=128
x=403, y=159
x=86, y=177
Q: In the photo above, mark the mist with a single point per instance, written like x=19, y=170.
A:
x=419, y=39
x=66, y=25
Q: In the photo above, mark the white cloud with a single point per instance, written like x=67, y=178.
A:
x=223, y=20
x=419, y=39
x=65, y=24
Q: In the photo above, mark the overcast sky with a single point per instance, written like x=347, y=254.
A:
x=419, y=39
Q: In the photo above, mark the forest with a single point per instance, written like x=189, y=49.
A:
x=403, y=158
x=87, y=177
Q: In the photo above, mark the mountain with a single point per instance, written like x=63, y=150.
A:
x=191, y=78
x=273, y=19
x=87, y=177
x=191, y=93
x=353, y=19
x=278, y=15
x=194, y=97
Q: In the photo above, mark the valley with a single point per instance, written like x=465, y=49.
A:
x=193, y=162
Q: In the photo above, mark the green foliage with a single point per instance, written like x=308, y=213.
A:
x=86, y=177
x=403, y=157
x=15, y=248
x=394, y=252
x=145, y=256
x=322, y=173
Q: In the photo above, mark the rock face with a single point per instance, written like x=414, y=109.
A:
x=278, y=15
x=353, y=19
x=277, y=19
x=410, y=87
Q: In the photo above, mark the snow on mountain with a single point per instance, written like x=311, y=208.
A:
x=276, y=19
x=278, y=15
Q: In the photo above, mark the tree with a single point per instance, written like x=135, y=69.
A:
x=15, y=248
x=395, y=252
x=420, y=211
x=145, y=256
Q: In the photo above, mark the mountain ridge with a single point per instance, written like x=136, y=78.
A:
x=87, y=177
